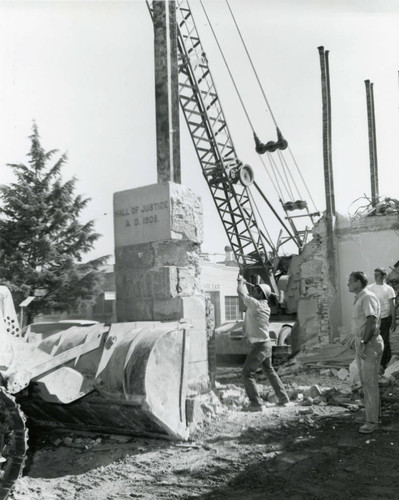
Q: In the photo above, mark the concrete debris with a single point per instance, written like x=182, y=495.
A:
x=232, y=396
x=392, y=371
x=329, y=357
x=343, y=374
x=314, y=392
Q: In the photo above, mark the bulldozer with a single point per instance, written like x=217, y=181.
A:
x=125, y=378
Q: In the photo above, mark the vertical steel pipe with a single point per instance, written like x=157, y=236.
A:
x=372, y=142
x=327, y=152
x=327, y=158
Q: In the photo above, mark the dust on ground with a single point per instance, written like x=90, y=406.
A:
x=304, y=451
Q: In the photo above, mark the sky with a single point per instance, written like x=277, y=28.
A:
x=84, y=71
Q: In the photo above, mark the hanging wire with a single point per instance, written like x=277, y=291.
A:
x=303, y=180
x=283, y=169
x=275, y=184
x=286, y=170
x=263, y=222
x=227, y=66
x=275, y=169
x=252, y=64
x=268, y=104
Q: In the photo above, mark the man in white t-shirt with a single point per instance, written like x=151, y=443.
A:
x=386, y=296
x=256, y=329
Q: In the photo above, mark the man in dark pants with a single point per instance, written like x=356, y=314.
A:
x=256, y=328
x=386, y=297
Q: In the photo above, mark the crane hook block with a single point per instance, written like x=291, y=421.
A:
x=270, y=146
x=246, y=175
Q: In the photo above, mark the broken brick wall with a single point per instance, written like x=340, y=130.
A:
x=310, y=292
x=324, y=308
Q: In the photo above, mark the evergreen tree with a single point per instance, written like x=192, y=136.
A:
x=42, y=241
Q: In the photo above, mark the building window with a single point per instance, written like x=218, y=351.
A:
x=232, y=308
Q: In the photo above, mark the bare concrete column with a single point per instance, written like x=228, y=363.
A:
x=166, y=91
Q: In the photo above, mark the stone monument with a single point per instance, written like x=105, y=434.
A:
x=158, y=232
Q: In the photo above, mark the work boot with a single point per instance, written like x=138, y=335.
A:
x=368, y=428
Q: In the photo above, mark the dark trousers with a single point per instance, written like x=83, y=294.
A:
x=261, y=356
x=384, y=332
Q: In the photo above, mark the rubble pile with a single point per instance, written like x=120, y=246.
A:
x=334, y=359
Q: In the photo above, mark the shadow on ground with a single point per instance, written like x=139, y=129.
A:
x=333, y=461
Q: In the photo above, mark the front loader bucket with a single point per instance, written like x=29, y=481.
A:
x=137, y=380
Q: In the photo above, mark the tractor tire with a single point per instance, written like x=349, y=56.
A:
x=13, y=443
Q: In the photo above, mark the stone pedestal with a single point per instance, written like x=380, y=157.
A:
x=158, y=232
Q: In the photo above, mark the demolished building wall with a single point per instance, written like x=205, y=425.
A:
x=364, y=244
x=310, y=291
x=324, y=308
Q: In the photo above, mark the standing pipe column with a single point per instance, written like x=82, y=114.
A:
x=328, y=173
x=372, y=143
x=329, y=128
x=327, y=152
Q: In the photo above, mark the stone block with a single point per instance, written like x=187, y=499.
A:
x=186, y=214
x=168, y=309
x=135, y=257
x=138, y=310
x=164, y=282
x=158, y=212
x=182, y=253
x=187, y=281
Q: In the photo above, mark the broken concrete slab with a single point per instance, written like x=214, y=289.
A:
x=392, y=370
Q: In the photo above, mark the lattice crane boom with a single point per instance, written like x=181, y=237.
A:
x=227, y=177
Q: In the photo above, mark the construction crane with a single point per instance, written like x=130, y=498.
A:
x=228, y=178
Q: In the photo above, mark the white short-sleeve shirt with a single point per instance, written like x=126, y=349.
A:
x=366, y=304
x=384, y=294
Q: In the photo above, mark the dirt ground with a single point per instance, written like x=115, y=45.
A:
x=298, y=452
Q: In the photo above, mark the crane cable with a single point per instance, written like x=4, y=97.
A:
x=252, y=65
x=227, y=66
x=267, y=102
x=263, y=223
x=277, y=188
